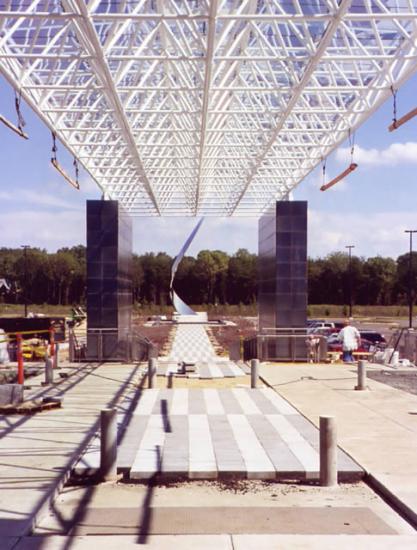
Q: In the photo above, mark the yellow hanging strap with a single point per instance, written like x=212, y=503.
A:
x=352, y=166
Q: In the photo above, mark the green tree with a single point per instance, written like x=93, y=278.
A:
x=242, y=277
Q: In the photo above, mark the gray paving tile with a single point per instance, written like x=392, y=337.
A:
x=262, y=402
x=229, y=401
x=228, y=457
x=311, y=434
x=130, y=442
x=280, y=455
x=175, y=454
x=196, y=403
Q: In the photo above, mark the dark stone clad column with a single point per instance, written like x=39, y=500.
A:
x=282, y=274
x=109, y=280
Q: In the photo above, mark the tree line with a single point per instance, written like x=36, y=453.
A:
x=213, y=277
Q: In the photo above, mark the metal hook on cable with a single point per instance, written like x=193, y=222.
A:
x=20, y=120
x=58, y=167
x=352, y=166
x=396, y=123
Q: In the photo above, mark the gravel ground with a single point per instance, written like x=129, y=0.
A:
x=401, y=379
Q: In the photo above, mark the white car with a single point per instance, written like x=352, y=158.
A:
x=320, y=327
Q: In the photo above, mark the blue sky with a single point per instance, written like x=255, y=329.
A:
x=370, y=209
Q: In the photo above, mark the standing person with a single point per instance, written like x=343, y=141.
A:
x=351, y=339
x=4, y=354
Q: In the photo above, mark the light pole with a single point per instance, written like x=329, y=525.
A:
x=350, y=246
x=410, y=278
x=25, y=277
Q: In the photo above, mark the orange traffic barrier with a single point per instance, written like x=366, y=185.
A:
x=19, y=356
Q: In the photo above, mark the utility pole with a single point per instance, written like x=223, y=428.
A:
x=350, y=246
x=25, y=277
x=410, y=278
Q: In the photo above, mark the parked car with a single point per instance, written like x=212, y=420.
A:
x=375, y=337
x=320, y=327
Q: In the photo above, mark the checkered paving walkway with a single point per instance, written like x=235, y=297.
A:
x=191, y=344
x=211, y=433
x=219, y=369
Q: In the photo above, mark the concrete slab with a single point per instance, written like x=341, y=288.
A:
x=11, y=394
x=162, y=542
x=369, y=423
x=217, y=520
x=133, y=503
x=323, y=542
x=37, y=452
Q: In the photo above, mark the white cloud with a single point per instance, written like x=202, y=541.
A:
x=47, y=200
x=43, y=229
x=316, y=181
x=372, y=233
x=53, y=230
x=396, y=153
x=169, y=234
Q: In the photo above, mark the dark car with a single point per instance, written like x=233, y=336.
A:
x=376, y=338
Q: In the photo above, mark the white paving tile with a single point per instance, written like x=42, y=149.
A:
x=305, y=453
x=147, y=460
x=180, y=402
x=215, y=371
x=255, y=458
x=213, y=401
x=201, y=453
x=247, y=404
x=146, y=402
x=282, y=406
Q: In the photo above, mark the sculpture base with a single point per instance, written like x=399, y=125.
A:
x=199, y=317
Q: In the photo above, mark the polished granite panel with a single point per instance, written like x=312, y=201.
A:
x=109, y=278
x=282, y=271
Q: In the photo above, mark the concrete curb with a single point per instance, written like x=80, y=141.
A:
x=403, y=509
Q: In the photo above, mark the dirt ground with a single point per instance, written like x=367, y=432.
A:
x=196, y=383
x=159, y=335
x=402, y=380
x=225, y=335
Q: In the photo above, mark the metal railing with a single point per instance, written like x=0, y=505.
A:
x=285, y=344
x=112, y=345
x=404, y=341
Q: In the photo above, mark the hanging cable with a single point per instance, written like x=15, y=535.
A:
x=352, y=166
x=396, y=123
x=58, y=167
x=20, y=120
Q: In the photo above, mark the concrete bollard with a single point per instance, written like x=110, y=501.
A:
x=328, y=451
x=361, y=385
x=55, y=356
x=108, y=444
x=151, y=372
x=71, y=346
x=254, y=372
x=49, y=371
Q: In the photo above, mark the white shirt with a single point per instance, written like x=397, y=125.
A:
x=350, y=338
x=4, y=354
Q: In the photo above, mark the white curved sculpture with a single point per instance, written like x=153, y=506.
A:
x=180, y=306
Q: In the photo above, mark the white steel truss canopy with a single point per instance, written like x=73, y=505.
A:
x=205, y=107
